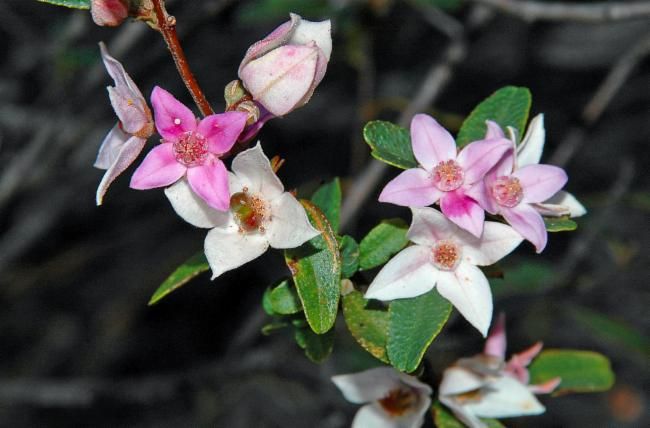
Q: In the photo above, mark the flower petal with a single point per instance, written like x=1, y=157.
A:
x=276, y=38
x=531, y=147
x=468, y=290
x=132, y=111
x=479, y=157
x=226, y=248
x=498, y=240
x=172, y=117
x=253, y=169
x=506, y=397
x=408, y=274
x=540, y=182
x=462, y=413
x=373, y=415
x=495, y=345
x=116, y=70
x=222, y=130
x=368, y=385
x=110, y=147
x=192, y=208
x=480, y=192
x=545, y=387
x=411, y=188
x=463, y=211
x=458, y=380
x=289, y=226
x=317, y=32
x=210, y=182
x=564, y=202
x=158, y=169
x=528, y=223
x=493, y=130
x=125, y=157
x=429, y=226
x=431, y=142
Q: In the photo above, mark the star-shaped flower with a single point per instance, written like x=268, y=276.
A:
x=446, y=257
x=190, y=147
x=261, y=214
x=445, y=175
x=391, y=399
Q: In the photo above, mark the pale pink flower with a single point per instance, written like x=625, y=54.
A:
x=282, y=71
x=445, y=175
x=485, y=386
x=391, y=399
x=261, y=214
x=125, y=141
x=446, y=257
x=109, y=13
x=190, y=147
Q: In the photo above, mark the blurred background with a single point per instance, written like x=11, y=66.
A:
x=80, y=347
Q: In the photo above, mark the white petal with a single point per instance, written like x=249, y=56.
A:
x=120, y=160
x=462, y=413
x=422, y=388
x=110, y=147
x=498, y=240
x=289, y=226
x=408, y=274
x=507, y=397
x=368, y=385
x=192, y=208
x=468, y=290
x=226, y=248
x=254, y=171
x=458, y=380
x=373, y=416
x=319, y=32
x=429, y=226
x=568, y=202
x=531, y=147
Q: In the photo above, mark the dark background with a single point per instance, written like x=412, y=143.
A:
x=80, y=347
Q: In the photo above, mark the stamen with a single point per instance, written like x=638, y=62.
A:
x=448, y=175
x=191, y=149
x=399, y=401
x=446, y=255
x=507, y=191
x=250, y=212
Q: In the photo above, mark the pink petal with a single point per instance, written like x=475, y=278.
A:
x=222, y=130
x=132, y=112
x=431, y=142
x=495, y=345
x=210, y=182
x=527, y=221
x=110, y=147
x=117, y=72
x=527, y=356
x=278, y=37
x=158, y=169
x=479, y=157
x=429, y=226
x=480, y=192
x=493, y=130
x=172, y=117
x=412, y=188
x=540, y=182
x=545, y=387
x=125, y=157
x=463, y=211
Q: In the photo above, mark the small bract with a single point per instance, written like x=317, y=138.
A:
x=109, y=13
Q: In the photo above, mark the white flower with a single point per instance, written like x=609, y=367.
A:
x=394, y=399
x=446, y=256
x=261, y=214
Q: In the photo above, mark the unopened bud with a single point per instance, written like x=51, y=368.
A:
x=251, y=108
x=109, y=13
x=234, y=92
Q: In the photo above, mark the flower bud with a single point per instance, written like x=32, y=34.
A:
x=109, y=13
x=282, y=71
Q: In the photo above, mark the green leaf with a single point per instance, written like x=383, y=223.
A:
x=349, y=256
x=368, y=325
x=508, y=106
x=283, y=299
x=412, y=326
x=384, y=240
x=581, y=371
x=316, y=270
x=271, y=328
x=443, y=418
x=189, y=269
x=266, y=302
x=390, y=144
x=526, y=277
x=75, y=4
x=559, y=224
x=328, y=199
x=317, y=346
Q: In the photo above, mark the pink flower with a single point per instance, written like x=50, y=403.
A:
x=282, y=71
x=445, y=175
x=109, y=13
x=446, y=257
x=190, y=147
x=125, y=141
x=515, y=185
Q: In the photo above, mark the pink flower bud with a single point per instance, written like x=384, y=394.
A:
x=282, y=71
x=109, y=13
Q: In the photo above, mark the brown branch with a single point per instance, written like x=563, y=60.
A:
x=167, y=28
x=531, y=10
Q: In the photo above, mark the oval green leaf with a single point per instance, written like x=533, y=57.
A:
x=328, y=199
x=182, y=275
x=368, y=325
x=559, y=224
x=317, y=346
x=382, y=242
x=581, y=371
x=412, y=326
x=349, y=256
x=443, y=418
x=390, y=144
x=508, y=106
x=283, y=299
x=74, y=4
x=316, y=270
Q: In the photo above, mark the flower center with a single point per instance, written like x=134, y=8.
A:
x=446, y=255
x=507, y=191
x=399, y=401
x=250, y=211
x=191, y=149
x=448, y=175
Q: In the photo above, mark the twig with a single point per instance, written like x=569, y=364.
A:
x=167, y=28
x=531, y=10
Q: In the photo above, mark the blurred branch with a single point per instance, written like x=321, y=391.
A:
x=571, y=11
